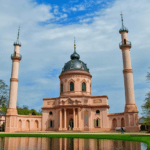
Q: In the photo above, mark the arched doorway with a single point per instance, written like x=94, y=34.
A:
x=27, y=124
x=122, y=122
x=20, y=124
x=71, y=123
x=36, y=124
x=142, y=127
x=114, y=122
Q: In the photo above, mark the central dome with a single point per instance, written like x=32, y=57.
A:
x=75, y=63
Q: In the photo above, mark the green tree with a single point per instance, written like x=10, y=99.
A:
x=4, y=108
x=146, y=107
x=4, y=94
x=26, y=111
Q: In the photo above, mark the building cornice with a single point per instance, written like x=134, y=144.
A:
x=29, y=116
x=73, y=96
x=75, y=72
x=77, y=106
x=116, y=114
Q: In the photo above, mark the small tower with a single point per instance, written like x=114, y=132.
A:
x=11, y=115
x=131, y=112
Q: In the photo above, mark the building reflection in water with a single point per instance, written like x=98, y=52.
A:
x=25, y=143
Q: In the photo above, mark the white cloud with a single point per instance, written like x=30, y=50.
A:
x=64, y=9
x=85, y=20
x=48, y=47
x=56, y=11
x=73, y=8
x=79, y=7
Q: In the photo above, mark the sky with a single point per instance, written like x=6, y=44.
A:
x=47, y=31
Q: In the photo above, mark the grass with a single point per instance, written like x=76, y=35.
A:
x=124, y=137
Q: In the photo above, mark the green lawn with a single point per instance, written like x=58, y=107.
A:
x=125, y=137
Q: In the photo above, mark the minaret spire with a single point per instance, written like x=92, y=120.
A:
x=17, y=41
x=123, y=28
x=74, y=45
x=18, y=33
x=122, y=19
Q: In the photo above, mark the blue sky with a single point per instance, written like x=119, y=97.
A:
x=47, y=32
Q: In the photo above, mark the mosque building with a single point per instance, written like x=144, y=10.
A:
x=75, y=109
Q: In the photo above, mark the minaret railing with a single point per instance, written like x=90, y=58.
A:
x=16, y=55
x=125, y=43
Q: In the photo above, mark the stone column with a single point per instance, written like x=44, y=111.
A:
x=73, y=118
x=60, y=128
x=65, y=116
x=79, y=117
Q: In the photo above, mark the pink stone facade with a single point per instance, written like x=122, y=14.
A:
x=76, y=109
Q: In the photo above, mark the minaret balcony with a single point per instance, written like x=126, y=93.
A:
x=125, y=44
x=16, y=56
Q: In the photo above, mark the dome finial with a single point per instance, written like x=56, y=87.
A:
x=74, y=44
x=122, y=19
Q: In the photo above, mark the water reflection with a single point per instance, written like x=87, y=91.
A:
x=24, y=143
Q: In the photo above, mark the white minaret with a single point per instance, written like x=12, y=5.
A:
x=12, y=110
x=131, y=112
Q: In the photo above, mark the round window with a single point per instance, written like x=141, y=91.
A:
x=97, y=111
x=50, y=113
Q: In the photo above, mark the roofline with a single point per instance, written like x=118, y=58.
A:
x=100, y=96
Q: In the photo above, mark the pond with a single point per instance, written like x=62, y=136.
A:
x=32, y=143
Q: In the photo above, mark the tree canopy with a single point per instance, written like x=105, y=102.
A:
x=146, y=107
x=4, y=93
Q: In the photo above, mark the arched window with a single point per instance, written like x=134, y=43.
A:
x=122, y=122
x=61, y=88
x=20, y=124
x=83, y=86
x=96, y=122
x=50, y=113
x=86, y=118
x=114, y=123
x=51, y=123
x=36, y=124
x=125, y=41
x=97, y=111
x=27, y=124
x=71, y=86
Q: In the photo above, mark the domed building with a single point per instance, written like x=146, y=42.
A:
x=76, y=109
